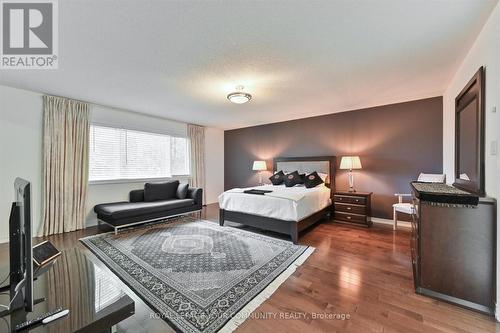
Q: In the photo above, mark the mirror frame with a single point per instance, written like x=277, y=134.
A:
x=473, y=89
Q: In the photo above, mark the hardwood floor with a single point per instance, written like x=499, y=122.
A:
x=361, y=275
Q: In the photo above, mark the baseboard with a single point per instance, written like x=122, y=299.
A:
x=4, y=240
x=497, y=312
x=402, y=224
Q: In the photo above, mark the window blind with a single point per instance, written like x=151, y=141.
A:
x=117, y=153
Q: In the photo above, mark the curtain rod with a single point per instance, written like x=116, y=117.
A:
x=74, y=99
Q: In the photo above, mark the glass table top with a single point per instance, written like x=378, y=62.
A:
x=93, y=296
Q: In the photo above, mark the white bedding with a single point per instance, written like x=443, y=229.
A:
x=285, y=203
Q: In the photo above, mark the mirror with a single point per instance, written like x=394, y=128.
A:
x=469, y=136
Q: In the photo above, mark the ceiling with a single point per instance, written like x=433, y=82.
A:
x=179, y=59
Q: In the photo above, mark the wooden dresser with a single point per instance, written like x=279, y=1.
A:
x=353, y=208
x=453, y=251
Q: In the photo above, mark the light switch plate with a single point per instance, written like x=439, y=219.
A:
x=493, y=148
x=494, y=109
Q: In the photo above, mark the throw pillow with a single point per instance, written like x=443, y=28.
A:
x=182, y=191
x=312, y=180
x=292, y=179
x=277, y=178
x=160, y=191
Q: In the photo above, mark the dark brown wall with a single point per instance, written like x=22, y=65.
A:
x=395, y=143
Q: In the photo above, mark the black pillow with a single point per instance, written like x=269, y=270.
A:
x=292, y=179
x=160, y=191
x=302, y=178
x=277, y=178
x=312, y=180
x=182, y=191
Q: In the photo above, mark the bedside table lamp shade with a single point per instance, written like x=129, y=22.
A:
x=350, y=163
x=259, y=166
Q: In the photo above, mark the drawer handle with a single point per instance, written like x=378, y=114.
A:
x=348, y=217
x=357, y=200
x=348, y=208
x=340, y=199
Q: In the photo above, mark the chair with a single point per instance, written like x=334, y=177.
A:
x=408, y=208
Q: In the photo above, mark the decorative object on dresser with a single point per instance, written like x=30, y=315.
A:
x=350, y=163
x=259, y=166
x=406, y=207
x=453, y=246
x=353, y=208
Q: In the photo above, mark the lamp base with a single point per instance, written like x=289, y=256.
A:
x=351, y=181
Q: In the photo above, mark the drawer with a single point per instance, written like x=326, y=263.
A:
x=350, y=217
x=350, y=208
x=350, y=199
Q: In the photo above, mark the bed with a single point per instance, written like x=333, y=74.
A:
x=285, y=210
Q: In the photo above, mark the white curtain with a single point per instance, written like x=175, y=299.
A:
x=196, y=135
x=66, y=129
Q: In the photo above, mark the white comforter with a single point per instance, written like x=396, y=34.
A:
x=284, y=203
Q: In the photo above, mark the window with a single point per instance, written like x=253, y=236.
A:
x=117, y=153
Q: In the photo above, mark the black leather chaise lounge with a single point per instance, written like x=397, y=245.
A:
x=156, y=201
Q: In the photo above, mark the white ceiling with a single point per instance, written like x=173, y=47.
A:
x=179, y=59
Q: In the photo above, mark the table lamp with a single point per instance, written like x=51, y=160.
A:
x=259, y=166
x=350, y=163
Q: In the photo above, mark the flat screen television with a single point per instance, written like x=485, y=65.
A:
x=21, y=250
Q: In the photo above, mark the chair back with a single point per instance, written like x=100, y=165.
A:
x=432, y=178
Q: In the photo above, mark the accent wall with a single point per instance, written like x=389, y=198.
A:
x=395, y=143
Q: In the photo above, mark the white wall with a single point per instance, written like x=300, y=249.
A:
x=21, y=152
x=484, y=52
x=119, y=118
x=214, y=164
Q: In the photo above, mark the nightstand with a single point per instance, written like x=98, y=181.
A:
x=353, y=208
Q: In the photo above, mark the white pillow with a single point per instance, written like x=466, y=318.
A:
x=323, y=176
x=432, y=178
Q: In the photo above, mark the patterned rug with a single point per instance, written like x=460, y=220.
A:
x=197, y=275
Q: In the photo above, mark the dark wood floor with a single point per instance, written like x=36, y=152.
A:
x=364, y=274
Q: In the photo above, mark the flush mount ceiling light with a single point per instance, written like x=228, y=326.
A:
x=239, y=96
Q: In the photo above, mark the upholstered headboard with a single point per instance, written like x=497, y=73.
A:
x=323, y=164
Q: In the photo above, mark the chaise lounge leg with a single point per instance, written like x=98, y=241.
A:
x=221, y=217
x=116, y=231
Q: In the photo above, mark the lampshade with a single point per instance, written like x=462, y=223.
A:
x=350, y=162
x=259, y=166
